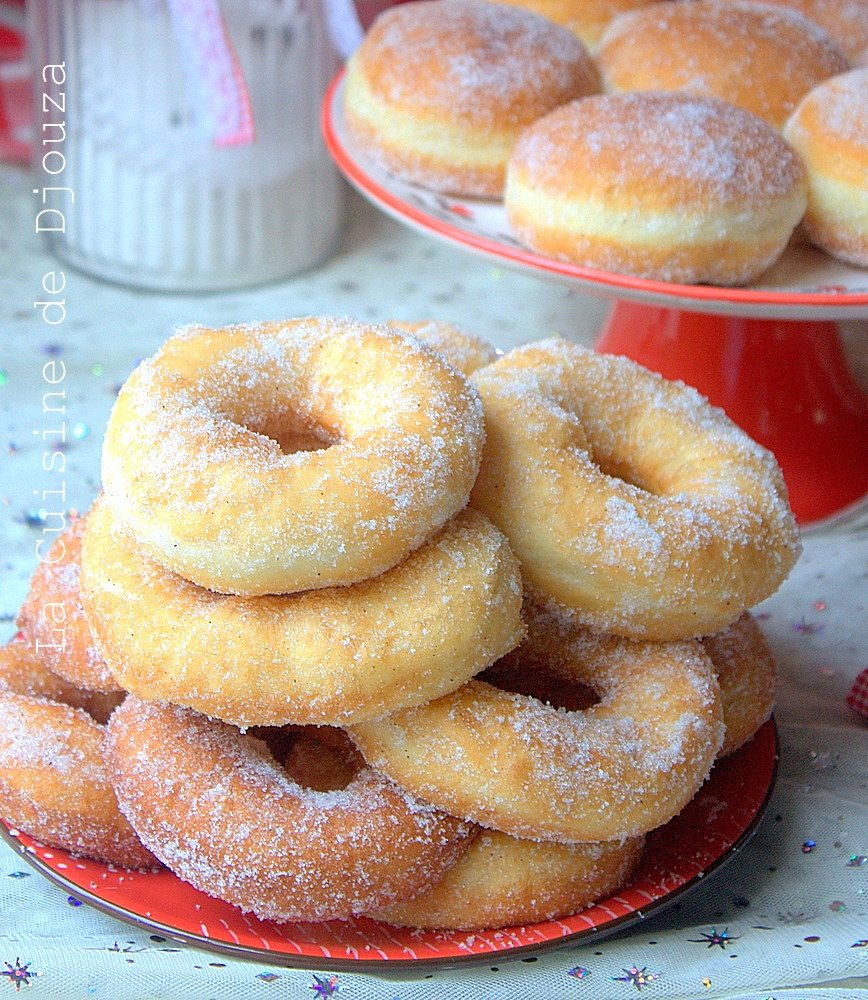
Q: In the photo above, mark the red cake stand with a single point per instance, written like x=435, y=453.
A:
x=769, y=354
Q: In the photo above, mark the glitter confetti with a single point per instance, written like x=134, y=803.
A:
x=837, y=906
x=80, y=430
x=819, y=605
x=808, y=846
x=97, y=370
x=73, y=901
x=637, y=977
x=716, y=937
x=857, y=861
x=19, y=874
x=268, y=977
x=861, y=943
x=19, y=975
x=579, y=972
x=325, y=987
x=804, y=627
x=706, y=983
x=34, y=518
x=4, y=376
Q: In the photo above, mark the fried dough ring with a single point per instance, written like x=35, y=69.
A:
x=54, y=785
x=464, y=351
x=325, y=657
x=219, y=811
x=384, y=439
x=629, y=499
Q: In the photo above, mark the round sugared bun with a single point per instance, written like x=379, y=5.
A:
x=660, y=185
x=829, y=130
x=586, y=18
x=845, y=20
x=763, y=59
x=439, y=91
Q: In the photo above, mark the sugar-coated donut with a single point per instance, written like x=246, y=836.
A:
x=629, y=498
x=23, y=672
x=54, y=785
x=382, y=442
x=439, y=90
x=845, y=20
x=53, y=620
x=510, y=762
x=502, y=881
x=218, y=810
x=745, y=670
x=464, y=351
x=664, y=186
x=323, y=657
x=763, y=59
x=587, y=19
x=829, y=130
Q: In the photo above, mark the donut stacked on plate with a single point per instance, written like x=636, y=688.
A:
x=677, y=172
x=341, y=581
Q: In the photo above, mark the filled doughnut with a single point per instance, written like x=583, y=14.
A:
x=439, y=90
x=829, y=130
x=23, y=672
x=282, y=457
x=508, y=761
x=54, y=784
x=216, y=807
x=502, y=881
x=763, y=59
x=587, y=19
x=627, y=498
x=660, y=185
x=745, y=670
x=53, y=620
x=323, y=657
x=464, y=351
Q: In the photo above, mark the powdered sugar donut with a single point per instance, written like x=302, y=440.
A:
x=846, y=21
x=54, y=785
x=218, y=810
x=501, y=881
x=586, y=18
x=53, y=620
x=324, y=657
x=627, y=498
x=282, y=457
x=438, y=92
x=464, y=351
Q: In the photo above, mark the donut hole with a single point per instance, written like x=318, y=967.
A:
x=293, y=433
x=323, y=759
x=546, y=685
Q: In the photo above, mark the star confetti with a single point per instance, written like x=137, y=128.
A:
x=325, y=987
x=637, y=977
x=579, y=972
x=857, y=861
x=19, y=975
x=716, y=937
x=268, y=977
x=861, y=943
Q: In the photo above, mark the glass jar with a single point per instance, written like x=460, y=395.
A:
x=153, y=192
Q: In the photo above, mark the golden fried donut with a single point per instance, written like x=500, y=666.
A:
x=627, y=498
x=829, y=130
x=192, y=460
x=216, y=807
x=510, y=762
x=23, y=672
x=502, y=881
x=53, y=620
x=671, y=187
x=464, y=351
x=845, y=20
x=745, y=670
x=322, y=657
x=763, y=59
x=53, y=782
x=439, y=91
x=587, y=19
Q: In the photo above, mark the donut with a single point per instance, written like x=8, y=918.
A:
x=763, y=59
x=745, y=670
x=220, y=812
x=672, y=187
x=23, y=672
x=439, y=91
x=464, y=351
x=627, y=498
x=846, y=21
x=282, y=457
x=324, y=657
x=54, y=785
x=829, y=130
x=587, y=19
x=502, y=881
x=507, y=761
x=53, y=620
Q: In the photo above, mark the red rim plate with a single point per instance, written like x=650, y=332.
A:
x=811, y=285
x=678, y=856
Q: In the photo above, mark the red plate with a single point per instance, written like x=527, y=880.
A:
x=804, y=284
x=713, y=827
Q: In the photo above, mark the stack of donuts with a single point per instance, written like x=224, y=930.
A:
x=661, y=155
x=368, y=620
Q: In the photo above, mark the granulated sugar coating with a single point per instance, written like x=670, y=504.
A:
x=627, y=498
x=53, y=782
x=53, y=619
x=464, y=351
x=193, y=463
x=214, y=806
x=845, y=20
